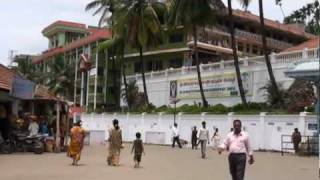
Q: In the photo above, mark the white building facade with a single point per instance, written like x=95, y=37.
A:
x=219, y=80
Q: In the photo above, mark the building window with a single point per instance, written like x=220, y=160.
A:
x=137, y=67
x=99, y=90
x=240, y=46
x=176, y=63
x=248, y=48
x=100, y=71
x=254, y=49
x=175, y=38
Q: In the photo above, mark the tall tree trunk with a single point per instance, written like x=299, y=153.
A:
x=143, y=76
x=125, y=80
x=265, y=51
x=195, y=39
x=235, y=56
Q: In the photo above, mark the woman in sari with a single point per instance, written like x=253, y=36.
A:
x=77, y=135
x=115, y=144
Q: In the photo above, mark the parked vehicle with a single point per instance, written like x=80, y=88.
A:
x=6, y=147
x=25, y=143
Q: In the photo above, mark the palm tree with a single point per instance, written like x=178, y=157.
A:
x=140, y=18
x=101, y=6
x=193, y=14
x=266, y=55
x=59, y=81
x=117, y=43
x=245, y=4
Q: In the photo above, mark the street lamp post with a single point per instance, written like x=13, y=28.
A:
x=174, y=101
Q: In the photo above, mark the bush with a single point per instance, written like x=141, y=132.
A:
x=219, y=109
x=189, y=109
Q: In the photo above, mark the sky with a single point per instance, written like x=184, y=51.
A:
x=23, y=20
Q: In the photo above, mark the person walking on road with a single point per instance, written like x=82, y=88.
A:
x=176, y=138
x=238, y=145
x=194, y=138
x=296, y=140
x=204, y=139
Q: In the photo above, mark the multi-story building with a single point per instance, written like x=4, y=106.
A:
x=95, y=87
x=78, y=45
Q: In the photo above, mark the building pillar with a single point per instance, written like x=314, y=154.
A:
x=96, y=78
x=305, y=53
x=82, y=89
x=302, y=123
x=262, y=129
x=75, y=79
x=88, y=78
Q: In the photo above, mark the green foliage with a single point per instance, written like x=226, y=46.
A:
x=273, y=99
x=307, y=15
x=218, y=109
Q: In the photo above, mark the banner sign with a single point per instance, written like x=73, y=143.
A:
x=222, y=85
x=22, y=88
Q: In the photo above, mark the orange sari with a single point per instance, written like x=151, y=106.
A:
x=76, y=144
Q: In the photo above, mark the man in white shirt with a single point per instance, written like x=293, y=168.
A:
x=175, y=133
x=204, y=138
x=238, y=145
x=33, y=126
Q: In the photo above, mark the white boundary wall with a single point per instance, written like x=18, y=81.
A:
x=265, y=130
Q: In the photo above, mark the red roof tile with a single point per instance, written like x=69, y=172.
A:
x=6, y=77
x=95, y=36
x=310, y=44
x=272, y=24
x=65, y=23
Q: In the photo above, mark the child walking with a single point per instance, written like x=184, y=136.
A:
x=138, y=149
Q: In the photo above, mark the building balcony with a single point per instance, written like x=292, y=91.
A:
x=272, y=43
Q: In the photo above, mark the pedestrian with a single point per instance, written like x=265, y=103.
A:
x=115, y=144
x=238, y=145
x=138, y=150
x=194, y=138
x=216, y=139
x=204, y=139
x=77, y=134
x=176, y=138
x=296, y=140
x=33, y=126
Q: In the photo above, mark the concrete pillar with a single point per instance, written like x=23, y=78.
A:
x=96, y=78
x=245, y=61
x=273, y=57
x=58, y=128
x=88, y=79
x=75, y=78
x=203, y=116
x=222, y=64
x=182, y=70
x=143, y=127
x=305, y=53
x=302, y=123
x=262, y=130
x=82, y=89
x=160, y=119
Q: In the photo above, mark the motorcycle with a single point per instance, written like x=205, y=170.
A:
x=25, y=143
x=6, y=146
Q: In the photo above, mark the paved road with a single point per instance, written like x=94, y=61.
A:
x=160, y=163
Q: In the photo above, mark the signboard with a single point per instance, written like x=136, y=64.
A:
x=221, y=85
x=173, y=89
x=312, y=126
x=22, y=88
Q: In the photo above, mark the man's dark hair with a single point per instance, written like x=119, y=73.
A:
x=237, y=120
x=203, y=123
x=138, y=135
x=175, y=124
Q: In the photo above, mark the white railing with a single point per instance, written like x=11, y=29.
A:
x=285, y=58
x=248, y=35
